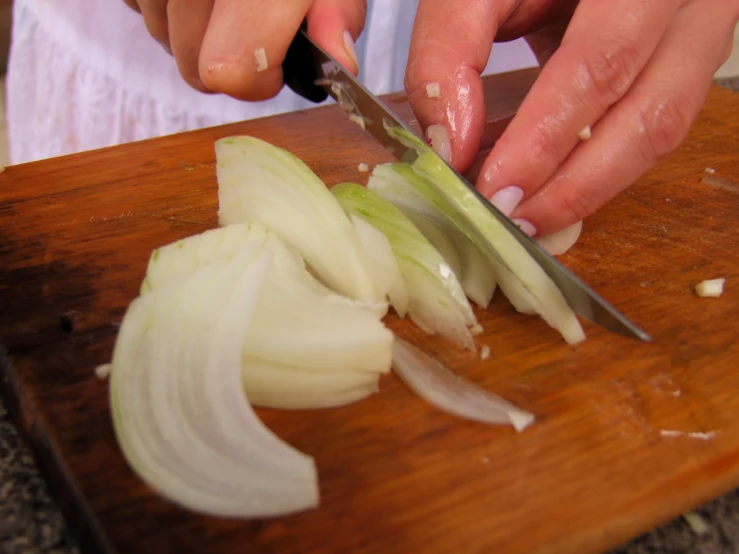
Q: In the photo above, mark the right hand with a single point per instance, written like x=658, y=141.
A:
x=213, y=41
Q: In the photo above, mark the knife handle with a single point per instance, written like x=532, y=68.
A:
x=298, y=71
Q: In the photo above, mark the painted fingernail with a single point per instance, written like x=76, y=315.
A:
x=507, y=199
x=526, y=226
x=350, y=48
x=438, y=138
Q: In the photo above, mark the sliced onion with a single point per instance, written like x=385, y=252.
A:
x=436, y=384
x=560, y=242
x=180, y=414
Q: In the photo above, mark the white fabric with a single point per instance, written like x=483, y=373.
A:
x=84, y=74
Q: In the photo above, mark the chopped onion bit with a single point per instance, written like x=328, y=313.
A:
x=363, y=168
x=103, y=371
x=710, y=170
x=710, y=288
x=585, y=133
x=438, y=386
x=485, y=352
x=433, y=90
x=261, y=56
x=358, y=119
x=696, y=523
x=476, y=329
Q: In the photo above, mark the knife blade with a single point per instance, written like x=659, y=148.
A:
x=314, y=74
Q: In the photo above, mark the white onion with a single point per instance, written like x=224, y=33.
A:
x=103, y=371
x=261, y=56
x=710, y=288
x=436, y=384
x=433, y=90
x=585, y=133
x=560, y=242
x=358, y=119
x=363, y=167
x=485, y=352
x=180, y=413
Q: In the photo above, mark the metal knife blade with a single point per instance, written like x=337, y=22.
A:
x=370, y=112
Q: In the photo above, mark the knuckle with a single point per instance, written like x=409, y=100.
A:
x=610, y=73
x=664, y=125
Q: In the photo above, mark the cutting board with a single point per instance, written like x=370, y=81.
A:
x=628, y=434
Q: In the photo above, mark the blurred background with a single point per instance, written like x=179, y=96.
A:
x=728, y=75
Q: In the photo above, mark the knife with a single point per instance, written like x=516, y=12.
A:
x=313, y=74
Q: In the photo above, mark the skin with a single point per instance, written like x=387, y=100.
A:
x=213, y=41
x=635, y=71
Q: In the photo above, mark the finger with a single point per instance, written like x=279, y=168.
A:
x=155, y=18
x=188, y=22
x=599, y=58
x=236, y=32
x=335, y=25
x=648, y=123
x=450, y=47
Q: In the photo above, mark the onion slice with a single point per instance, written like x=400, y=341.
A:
x=180, y=414
x=438, y=386
x=560, y=242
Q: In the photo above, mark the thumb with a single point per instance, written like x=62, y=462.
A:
x=335, y=25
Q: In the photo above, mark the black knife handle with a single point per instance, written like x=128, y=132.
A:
x=298, y=71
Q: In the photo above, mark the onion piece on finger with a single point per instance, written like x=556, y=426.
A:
x=436, y=384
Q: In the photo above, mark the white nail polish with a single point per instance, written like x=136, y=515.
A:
x=526, y=226
x=438, y=138
x=506, y=199
x=350, y=48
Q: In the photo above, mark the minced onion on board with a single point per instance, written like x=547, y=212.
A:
x=710, y=288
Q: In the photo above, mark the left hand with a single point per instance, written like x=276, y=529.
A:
x=635, y=71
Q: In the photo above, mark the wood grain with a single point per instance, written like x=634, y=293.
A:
x=628, y=434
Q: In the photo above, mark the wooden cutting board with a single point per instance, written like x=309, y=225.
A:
x=628, y=434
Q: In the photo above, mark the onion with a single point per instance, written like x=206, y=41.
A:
x=358, y=119
x=710, y=288
x=363, y=168
x=560, y=242
x=710, y=170
x=180, y=413
x=485, y=352
x=436, y=300
x=103, y=371
x=261, y=56
x=436, y=384
x=433, y=90
x=585, y=133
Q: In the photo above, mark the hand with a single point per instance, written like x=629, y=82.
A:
x=635, y=72
x=214, y=41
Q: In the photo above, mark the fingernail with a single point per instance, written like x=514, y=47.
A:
x=350, y=48
x=506, y=199
x=526, y=226
x=438, y=138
